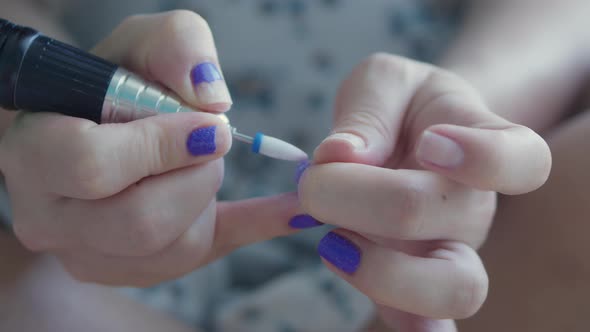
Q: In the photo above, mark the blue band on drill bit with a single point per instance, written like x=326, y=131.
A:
x=257, y=142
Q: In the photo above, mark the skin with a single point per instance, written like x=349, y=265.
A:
x=129, y=214
x=417, y=224
x=433, y=247
x=62, y=265
x=35, y=291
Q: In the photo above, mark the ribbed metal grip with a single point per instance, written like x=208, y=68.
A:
x=56, y=77
x=129, y=97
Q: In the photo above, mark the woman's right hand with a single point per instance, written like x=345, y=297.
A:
x=134, y=203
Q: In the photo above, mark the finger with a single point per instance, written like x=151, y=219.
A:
x=157, y=145
x=237, y=224
x=175, y=48
x=182, y=256
x=510, y=160
x=456, y=135
x=252, y=220
x=405, y=322
x=369, y=110
x=482, y=150
x=144, y=218
x=77, y=158
x=449, y=281
x=401, y=204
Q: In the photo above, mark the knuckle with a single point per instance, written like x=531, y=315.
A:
x=379, y=60
x=179, y=21
x=179, y=28
x=367, y=117
x=195, y=247
x=152, y=141
x=382, y=64
x=145, y=235
x=445, y=78
x=89, y=175
x=470, y=293
x=406, y=212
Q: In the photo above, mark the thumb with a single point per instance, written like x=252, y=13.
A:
x=129, y=152
x=511, y=160
x=398, y=110
x=175, y=48
x=96, y=161
x=453, y=133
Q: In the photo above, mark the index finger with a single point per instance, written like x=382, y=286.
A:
x=174, y=48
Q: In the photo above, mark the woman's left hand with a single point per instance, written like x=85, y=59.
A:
x=410, y=175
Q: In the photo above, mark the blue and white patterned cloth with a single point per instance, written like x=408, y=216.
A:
x=283, y=61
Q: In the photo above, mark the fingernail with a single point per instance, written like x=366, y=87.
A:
x=340, y=251
x=304, y=221
x=201, y=141
x=355, y=141
x=439, y=150
x=210, y=87
x=301, y=167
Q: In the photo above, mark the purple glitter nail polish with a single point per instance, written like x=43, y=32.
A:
x=300, y=169
x=205, y=72
x=340, y=251
x=304, y=221
x=201, y=141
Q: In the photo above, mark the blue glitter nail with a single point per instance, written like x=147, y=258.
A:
x=301, y=169
x=340, y=251
x=205, y=72
x=304, y=221
x=201, y=141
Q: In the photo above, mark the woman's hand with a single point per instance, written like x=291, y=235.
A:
x=134, y=203
x=410, y=175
